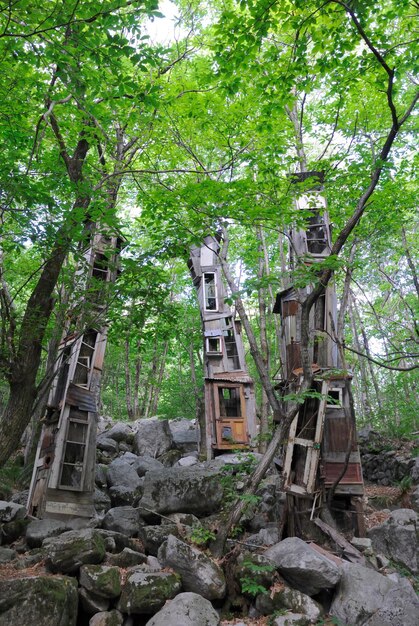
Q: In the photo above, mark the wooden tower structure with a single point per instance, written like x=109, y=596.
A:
x=230, y=410
x=63, y=476
x=322, y=451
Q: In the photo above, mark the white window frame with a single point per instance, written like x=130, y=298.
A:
x=204, y=283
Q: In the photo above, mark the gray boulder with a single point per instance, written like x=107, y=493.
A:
x=102, y=580
x=152, y=438
x=185, y=434
x=7, y=554
x=123, y=519
x=101, y=501
x=414, y=498
x=414, y=472
x=287, y=598
x=106, y=444
x=303, y=567
x=40, y=529
x=11, y=511
x=153, y=536
x=187, y=461
x=91, y=603
x=121, y=472
x=146, y=592
x=397, y=538
x=21, y=497
x=366, y=598
x=198, y=572
x=124, y=495
x=107, y=618
x=72, y=549
x=187, y=609
x=143, y=464
x=127, y=558
x=40, y=600
x=181, y=490
x=121, y=431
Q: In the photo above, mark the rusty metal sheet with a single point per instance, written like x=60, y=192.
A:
x=352, y=476
x=82, y=398
x=290, y=307
x=293, y=357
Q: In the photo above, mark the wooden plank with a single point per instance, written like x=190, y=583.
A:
x=315, y=453
x=289, y=452
x=350, y=553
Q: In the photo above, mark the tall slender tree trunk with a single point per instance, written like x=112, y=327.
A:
x=264, y=345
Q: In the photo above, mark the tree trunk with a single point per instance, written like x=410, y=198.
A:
x=264, y=345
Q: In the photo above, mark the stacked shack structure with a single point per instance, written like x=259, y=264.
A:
x=63, y=476
x=230, y=412
x=322, y=452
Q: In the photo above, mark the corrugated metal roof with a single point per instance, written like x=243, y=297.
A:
x=231, y=377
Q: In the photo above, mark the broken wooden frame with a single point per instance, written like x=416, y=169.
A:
x=63, y=477
x=321, y=453
x=230, y=411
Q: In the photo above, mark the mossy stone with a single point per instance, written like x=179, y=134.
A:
x=102, y=580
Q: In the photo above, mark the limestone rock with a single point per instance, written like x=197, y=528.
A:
x=198, y=572
x=185, y=434
x=366, y=598
x=397, y=538
x=40, y=600
x=145, y=592
x=187, y=609
x=123, y=519
x=107, y=618
x=127, y=558
x=102, y=580
x=107, y=444
x=10, y=511
x=154, y=536
x=143, y=464
x=303, y=567
x=181, y=490
x=121, y=472
x=40, y=529
x=124, y=495
x=120, y=431
x=101, y=501
x=7, y=554
x=72, y=549
x=92, y=603
x=291, y=599
x=153, y=437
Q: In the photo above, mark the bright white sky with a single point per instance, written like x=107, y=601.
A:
x=163, y=30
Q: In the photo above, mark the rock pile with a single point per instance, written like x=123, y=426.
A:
x=142, y=561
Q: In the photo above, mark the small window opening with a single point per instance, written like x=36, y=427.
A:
x=229, y=398
x=334, y=398
x=210, y=292
x=316, y=232
x=214, y=345
x=74, y=456
x=231, y=349
x=85, y=360
x=100, y=267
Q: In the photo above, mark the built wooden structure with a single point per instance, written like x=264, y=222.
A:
x=322, y=450
x=230, y=412
x=63, y=476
